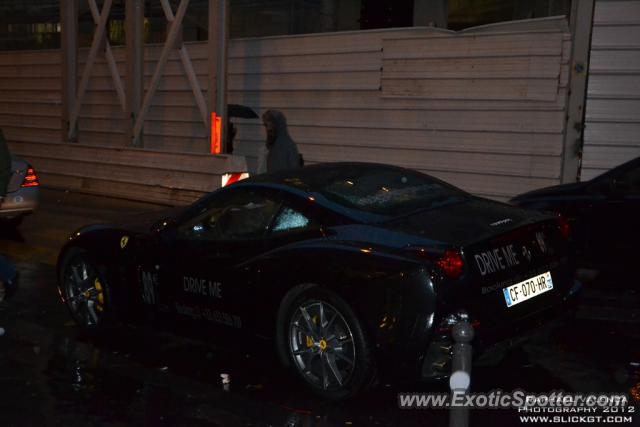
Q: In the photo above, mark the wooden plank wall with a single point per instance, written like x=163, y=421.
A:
x=30, y=95
x=162, y=177
x=482, y=109
x=172, y=169
x=611, y=135
x=138, y=174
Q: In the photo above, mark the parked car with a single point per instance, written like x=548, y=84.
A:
x=353, y=271
x=22, y=193
x=604, y=214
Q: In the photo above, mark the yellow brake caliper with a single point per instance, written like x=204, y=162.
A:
x=98, y=286
x=314, y=320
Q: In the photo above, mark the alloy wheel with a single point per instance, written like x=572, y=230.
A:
x=84, y=292
x=322, y=345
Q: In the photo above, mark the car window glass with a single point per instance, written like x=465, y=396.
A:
x=386, y=191
x=289, y=220
x=243, y=215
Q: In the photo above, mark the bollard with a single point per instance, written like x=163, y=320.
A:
x=460, y=380
x=226, y=381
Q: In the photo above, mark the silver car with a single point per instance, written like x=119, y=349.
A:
x=22, y=193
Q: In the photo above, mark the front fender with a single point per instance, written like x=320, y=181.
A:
x=109, y=248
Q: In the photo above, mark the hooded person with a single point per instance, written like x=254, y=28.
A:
x=280, y=151
x=5, y=166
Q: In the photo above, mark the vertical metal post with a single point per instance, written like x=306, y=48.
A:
x=69, y=45
x=581, y=23
x=460, y=380
x=134, y=22
x=221, y=69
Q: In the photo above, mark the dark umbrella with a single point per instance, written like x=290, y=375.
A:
x=241, y=111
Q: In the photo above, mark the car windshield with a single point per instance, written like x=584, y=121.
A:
x=386, y=191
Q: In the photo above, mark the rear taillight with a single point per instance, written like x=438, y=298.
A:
x=563, y=226
x=30, y=178
x=451, y=264
x=449, y=261
x=230, y=178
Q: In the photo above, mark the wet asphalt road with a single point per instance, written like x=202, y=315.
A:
x=52, y=373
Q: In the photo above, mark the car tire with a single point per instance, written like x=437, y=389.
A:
x=85, y=291
x=326, y=345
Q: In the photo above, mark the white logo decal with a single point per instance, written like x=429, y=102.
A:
x=203, y=287
x=501, y=222
x=149, y=284
x=496, y=260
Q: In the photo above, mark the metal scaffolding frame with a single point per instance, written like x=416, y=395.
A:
x=132, y=98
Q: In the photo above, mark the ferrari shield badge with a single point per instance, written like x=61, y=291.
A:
x=124, y=241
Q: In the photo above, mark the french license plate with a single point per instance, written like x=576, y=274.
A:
x=527, y=289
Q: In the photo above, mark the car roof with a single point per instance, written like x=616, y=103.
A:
x=310, y=178
x=631, y=164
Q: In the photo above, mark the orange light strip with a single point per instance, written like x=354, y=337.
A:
x=216, y=127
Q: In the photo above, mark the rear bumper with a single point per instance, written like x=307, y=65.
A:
x=21, y=202
x=424, y=352
x=9, y=214
x=509, y=332
x=492, y=340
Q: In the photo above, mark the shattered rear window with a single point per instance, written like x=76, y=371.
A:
x=387, y=191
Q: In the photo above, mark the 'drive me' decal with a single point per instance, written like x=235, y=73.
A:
x=496, y=260
x=202, y=287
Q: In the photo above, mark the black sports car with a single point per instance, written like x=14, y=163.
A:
x=353, y=272
x=604, y=214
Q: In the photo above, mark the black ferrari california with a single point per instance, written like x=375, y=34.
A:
x=354, y=272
